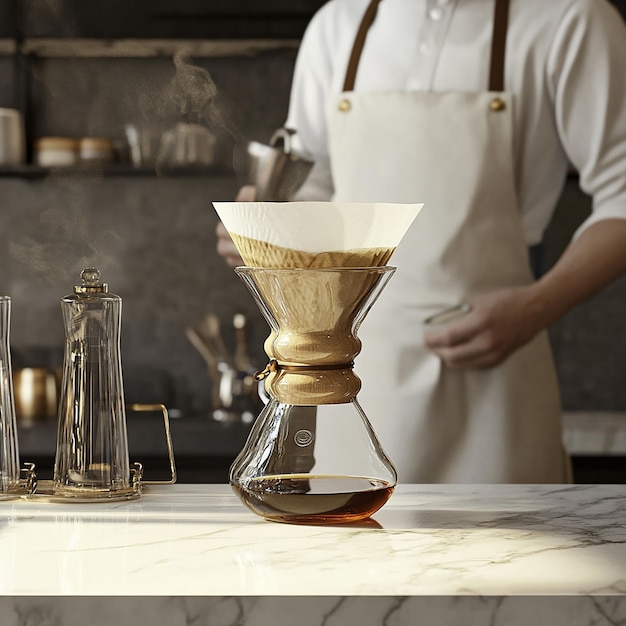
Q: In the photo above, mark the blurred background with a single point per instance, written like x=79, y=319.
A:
x=136, y=116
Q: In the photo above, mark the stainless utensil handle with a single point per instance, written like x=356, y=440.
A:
x=170, y=450
x=284, y=134
x=447, y=315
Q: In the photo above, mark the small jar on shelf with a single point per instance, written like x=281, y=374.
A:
x=55, y=151
x=95, y=150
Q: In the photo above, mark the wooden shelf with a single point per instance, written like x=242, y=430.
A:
x=34, y=172
x=147, y=48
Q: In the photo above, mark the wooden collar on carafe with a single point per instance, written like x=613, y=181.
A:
x=496, y=64
x=275, y=366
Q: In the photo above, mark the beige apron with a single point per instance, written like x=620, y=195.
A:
x=454, y=152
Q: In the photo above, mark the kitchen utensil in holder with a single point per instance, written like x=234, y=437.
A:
x=277, y=171
x=293, y=467
x=13, y=481
x=91, y=461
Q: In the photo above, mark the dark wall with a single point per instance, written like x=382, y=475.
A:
x=160, y=18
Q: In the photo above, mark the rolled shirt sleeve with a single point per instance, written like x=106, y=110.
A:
x=586, y=71
x=310, y=89
x=310, y=98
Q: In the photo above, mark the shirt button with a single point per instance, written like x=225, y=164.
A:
x=424, y=49
x=344, y=105
x=435, y=14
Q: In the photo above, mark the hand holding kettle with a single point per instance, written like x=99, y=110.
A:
x=278, y=172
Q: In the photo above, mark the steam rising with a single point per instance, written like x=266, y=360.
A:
x=192, y=96
x=64, y=241
x=61, y=244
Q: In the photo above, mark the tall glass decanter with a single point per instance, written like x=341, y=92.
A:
x=9, y=456
x=92, y=450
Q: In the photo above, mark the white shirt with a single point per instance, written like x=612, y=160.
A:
x=565, y=65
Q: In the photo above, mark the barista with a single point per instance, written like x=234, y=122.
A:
x=476, y=109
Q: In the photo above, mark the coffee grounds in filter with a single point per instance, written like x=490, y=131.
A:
x=257, y=253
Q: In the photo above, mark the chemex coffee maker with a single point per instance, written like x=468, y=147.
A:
x=91, y=460
x=314, y=269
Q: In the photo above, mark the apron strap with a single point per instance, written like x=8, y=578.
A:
x=359, y=42
x=498, y=45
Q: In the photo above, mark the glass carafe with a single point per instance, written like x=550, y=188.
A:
x=9, y=455
x=92, y=450
x=312, y=455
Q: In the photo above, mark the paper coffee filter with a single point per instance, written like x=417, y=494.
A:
x=316, y=227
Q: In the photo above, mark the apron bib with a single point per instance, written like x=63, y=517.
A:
x=454, y=152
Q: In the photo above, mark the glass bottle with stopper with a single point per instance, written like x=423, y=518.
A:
x=91, y=461
x=314, y=291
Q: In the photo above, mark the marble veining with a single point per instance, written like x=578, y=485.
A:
x=314, y=611
x=428, y=540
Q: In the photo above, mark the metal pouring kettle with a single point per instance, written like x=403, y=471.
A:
x=276, y=170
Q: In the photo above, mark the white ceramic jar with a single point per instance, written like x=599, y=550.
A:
x=55, y=151
x=95, y=150
x=12, y=143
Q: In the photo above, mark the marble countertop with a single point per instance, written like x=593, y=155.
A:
x=428, y=540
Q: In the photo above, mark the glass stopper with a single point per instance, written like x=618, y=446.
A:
x=90, y=282
x=90, y=277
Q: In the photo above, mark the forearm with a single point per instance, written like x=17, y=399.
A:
x=502, y=321
x=590, y=263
